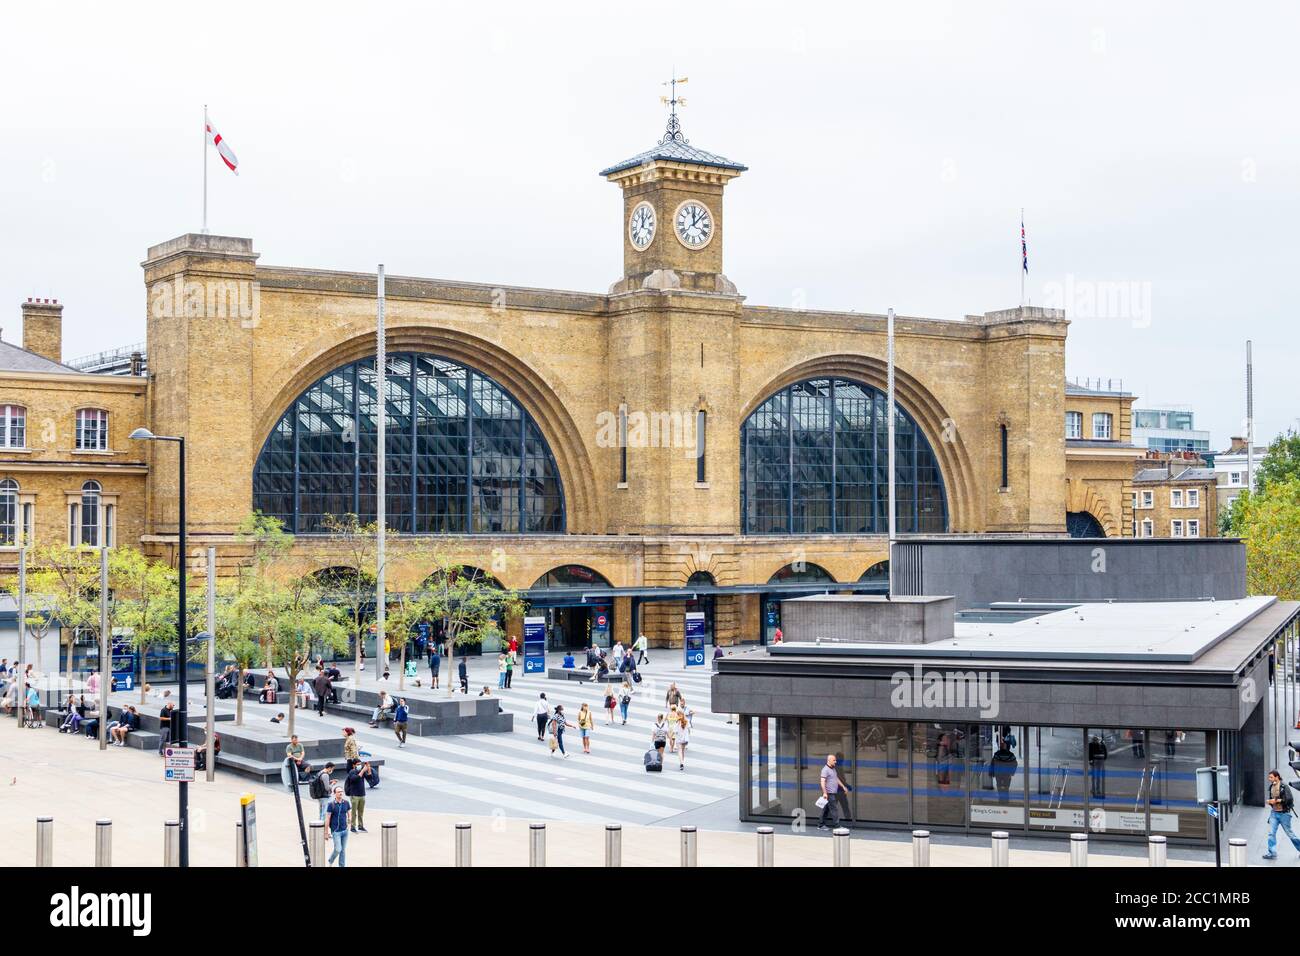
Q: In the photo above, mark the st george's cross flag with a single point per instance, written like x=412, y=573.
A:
x=223, y=150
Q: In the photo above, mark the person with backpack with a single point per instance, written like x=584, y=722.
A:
x=322, y=787
x=435, y=665
x=659, y=735
x=401, y=714
x=586, y=724
x=354, y=787
x=1281, y=807
x=625, y=700
x=542, y=713
x=611, y=702
x=558, y=722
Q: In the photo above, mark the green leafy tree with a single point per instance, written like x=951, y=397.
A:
x=1268, y=521
x=303, y=624
x=145, y=595
x=1281, y=462
x=350, y=585
x=471, y=604
x=67, y=578
x=41, y=613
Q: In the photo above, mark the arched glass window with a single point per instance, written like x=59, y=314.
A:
x=463, y=455
x=571, y=576
x=704, y=602
x=814, y=460
x=89, y=523
x=804, y=573
x=9, y=510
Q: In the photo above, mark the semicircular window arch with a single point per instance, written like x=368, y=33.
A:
x=463, y=456
x=814, y=460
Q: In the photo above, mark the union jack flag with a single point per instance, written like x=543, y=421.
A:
x=1024, y=248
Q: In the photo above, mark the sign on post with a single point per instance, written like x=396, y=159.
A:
x=1206, y=782
x=534, y=645
x=694, y=638
x=178, y=764
x=248, y=816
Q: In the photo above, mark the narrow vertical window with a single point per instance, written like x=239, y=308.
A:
x=90, y=523
x=701, y=421
x=10, y=525
x=622, y=444
x=1003, y=430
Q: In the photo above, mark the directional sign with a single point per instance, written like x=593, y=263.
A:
x=1212, y=810
x=178, y=764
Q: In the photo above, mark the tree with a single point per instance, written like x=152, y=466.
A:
x=471, y=604
x=402, y=612
x=40, y=610
x=239, y=633
x=1268, y=521
x=68, y=581
x=1281, y=462
x=145, y=595
x=351, y=586
x=301, y=624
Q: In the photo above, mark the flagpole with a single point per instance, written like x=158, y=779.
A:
x=205, y=169
x=1022, y=257
x=889, y=382
x=381, y=518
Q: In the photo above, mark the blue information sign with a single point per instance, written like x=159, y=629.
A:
x=534, y=645
x=694, y=638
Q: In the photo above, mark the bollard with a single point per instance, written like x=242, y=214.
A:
x=766, y=846
x=537, y=844
x=103, y=843
x=841, y=840
x=388, y=844
x=690, y=848
x=464, y=848
x=316, y=843
x=1156, y=847
x=920, y=847
x=45, y=841
x=172, y=843
x=239, y=843
x=1236, y=852
x=1078, y=849
x=613, y=844
x=1001, y=848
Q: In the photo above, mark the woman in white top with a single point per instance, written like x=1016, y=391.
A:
x=683, y=738
x=542, y=713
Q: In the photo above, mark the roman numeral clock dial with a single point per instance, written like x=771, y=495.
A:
x=693, y=224
x=641, y=226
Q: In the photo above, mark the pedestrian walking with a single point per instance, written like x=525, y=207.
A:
x=673, y=719
x=400, y=716
x=435, y=665
x=354, y=788
x=558, y=723
x=501, y=672
x=542, y=713
x=1281, y=807
x=322, y=788
x=683, y=738
x=351, y=746
x=625, y=699
x=610, y=703
x=322, y=685
x=641, y=645
x=659, y=736
x=829, y=802
x=338, y=813
x=673, y=698
x=462, y=671
x=510, y=667
x=586, y=724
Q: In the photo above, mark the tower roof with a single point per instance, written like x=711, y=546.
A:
x=675, y=147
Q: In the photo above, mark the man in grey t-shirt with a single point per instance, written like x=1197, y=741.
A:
x=831, y=784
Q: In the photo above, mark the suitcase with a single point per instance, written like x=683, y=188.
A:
x=636, y=677
x=653, y=761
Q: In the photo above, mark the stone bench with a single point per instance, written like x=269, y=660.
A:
x=139, y=739
x=583, y=675
x=438, y=717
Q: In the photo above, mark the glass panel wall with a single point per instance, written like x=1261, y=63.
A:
x=1056, y=778
x=821, y=738
x=1174, y=810
x=773, y=766
x=939, y=774
x=997, y=771
x=882, y=771
x=1119, y=777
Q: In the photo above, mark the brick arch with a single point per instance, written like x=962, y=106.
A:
x=1080, y=496
x=953, y=456
x=525, y=385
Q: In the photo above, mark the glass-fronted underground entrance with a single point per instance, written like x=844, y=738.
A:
x=1113, y=781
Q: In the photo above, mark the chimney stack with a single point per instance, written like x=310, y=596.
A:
x=43, y=328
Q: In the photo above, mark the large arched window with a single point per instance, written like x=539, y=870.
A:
x=463, y=455
x=9, y=511
x=814, y=460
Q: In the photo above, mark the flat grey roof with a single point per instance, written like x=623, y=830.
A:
x=1177, y=632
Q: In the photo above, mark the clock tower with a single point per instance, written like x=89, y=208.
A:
x=672, y=213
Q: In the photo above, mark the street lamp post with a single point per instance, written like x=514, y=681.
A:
x=143, y=434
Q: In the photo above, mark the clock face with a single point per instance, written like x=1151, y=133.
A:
x=641, y=225
x=693, y=224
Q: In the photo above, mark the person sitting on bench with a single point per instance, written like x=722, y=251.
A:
x=127, y=721
x=297, y=753
x=270, y=689
x=383, y=711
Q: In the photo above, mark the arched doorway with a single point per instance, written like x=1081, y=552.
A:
x=877, y=574
x=704, y=602
x=802, y=572
x=1081, y=524
x=571, y=622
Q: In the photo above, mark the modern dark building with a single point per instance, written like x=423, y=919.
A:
x=1033, y=717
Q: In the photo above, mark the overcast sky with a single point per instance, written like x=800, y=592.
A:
x=891, y=146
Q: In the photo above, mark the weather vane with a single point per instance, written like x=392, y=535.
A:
x=673, y=101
